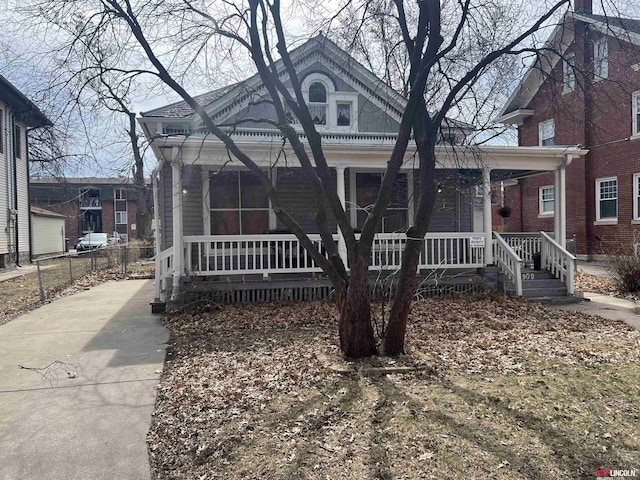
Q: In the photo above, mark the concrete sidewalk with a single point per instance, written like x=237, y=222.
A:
x=606, y=306
x=92, y=426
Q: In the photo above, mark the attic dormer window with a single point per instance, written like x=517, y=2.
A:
x=333, y=105
x=318, y=103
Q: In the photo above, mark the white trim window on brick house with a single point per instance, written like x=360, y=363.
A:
x=636, y=196
x=546, y=200
x=600, y=59
x=121, y=218
x=635, y=112
x=568, y=74
x=546, y=133
x=607, y=199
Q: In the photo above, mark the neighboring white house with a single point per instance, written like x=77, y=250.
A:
x=47, y=232
x=17, y=115
x=217, y=223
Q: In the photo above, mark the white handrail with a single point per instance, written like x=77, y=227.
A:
x=526, y=245
x=164, y=271
x=558, y=261
x=509, y=262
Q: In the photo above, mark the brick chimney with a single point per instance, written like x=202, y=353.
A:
x=583, y=6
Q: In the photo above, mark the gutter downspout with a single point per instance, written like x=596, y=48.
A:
x=26, y=157
x=15, y=191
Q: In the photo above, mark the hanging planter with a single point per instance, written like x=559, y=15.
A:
x=505, y=212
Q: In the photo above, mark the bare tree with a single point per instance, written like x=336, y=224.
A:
x=442, y=54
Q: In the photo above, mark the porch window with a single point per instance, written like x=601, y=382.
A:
x=600, y=59
x=547, y=133
x=547, y=200
x=239, y=205
x=367, y=188
x=636, y=196
x=607, y=198
x=635, y=111
x=318, y=103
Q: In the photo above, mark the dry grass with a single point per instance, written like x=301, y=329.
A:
x=513, y=390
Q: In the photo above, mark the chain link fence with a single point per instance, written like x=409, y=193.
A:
x=58, y=272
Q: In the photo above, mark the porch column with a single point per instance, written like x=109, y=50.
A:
x=342, y=246
x=178, y=253
x=562, y=200
x=156, y=237
x=556, y=205
x=486, y=214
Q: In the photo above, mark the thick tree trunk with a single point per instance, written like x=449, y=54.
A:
x=356, y=332
x=406, y=288
x=143, y=214
x=397, y=327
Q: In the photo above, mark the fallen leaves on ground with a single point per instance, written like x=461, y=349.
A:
x=22, y=294
x=586, y=282
x=511, y=388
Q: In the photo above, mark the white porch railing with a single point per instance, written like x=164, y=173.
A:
x=526, y=245
x=508, y=261
x=282, y=253
x=558, y=261
x=164, y=272
x=248, y=254
x=440, y=250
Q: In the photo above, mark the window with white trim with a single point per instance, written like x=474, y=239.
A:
x=330, y=109
x=318, y=103
x=635, y=111
x=568, y=74
x=547, y=133
x=607, y=198
x=238, y=204
x=121, y=218
x=120, y=194
x=546, y=196
x=600, y=59
x=636, y=196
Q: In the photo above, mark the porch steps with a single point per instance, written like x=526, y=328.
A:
x=539, y=285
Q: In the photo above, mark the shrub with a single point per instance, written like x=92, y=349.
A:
x=626, y=271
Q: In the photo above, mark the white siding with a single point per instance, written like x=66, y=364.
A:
x=23, y=196
x=3, y=182
x=48, y=234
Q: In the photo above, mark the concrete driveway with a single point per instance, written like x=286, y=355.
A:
x=89, y=417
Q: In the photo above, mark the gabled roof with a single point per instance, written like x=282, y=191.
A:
x=182, y=109
x=625, y=28
x=23, y=108
x=222, y=99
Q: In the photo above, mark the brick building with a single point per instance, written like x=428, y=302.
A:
x=105, y=205
x=584, y=91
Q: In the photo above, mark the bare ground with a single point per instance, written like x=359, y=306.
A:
x=505, y=389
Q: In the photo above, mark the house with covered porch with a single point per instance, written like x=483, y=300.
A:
x=215, y=226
